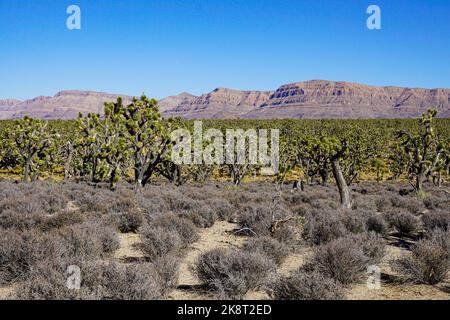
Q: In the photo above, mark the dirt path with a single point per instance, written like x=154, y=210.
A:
x=127, y=251
x=220, y=235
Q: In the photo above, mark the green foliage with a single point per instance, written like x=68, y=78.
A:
x=31, y=144
x=421, y=152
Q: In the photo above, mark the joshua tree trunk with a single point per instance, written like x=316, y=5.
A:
x=419, y=182
x=344, y=191
x=26, y=170
x=68, y=162
x=325, y=175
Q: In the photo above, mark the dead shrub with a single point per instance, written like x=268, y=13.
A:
x=61, y=219
x=158, y=242
x=129, y=221
x=341, y=259
x=268, y=246
x=376, y=223
x=429, y=261
x=257, y=220
x=436, y=220
x=223, y=208
x=100, y=281
x=303, y=285
x=403, y=221
x=175, y=224
x=323, y=226
x=20, y=252
x=373, y=246
x=231, y=274
x=89, y=240
x=354, y=221
x=204, y=217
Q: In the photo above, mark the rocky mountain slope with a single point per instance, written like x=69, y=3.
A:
x=327, y=99
x=64, y=105
x=219, y=104
x=310, y=99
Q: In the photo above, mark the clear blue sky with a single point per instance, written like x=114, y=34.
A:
x=163, y=47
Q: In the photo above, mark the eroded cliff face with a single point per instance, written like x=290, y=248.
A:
x=221, y=103
x=310, y=99
x=328, y=99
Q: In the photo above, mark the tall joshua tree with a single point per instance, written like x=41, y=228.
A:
x=422, y=150
x=31, y=141
x=148, y=137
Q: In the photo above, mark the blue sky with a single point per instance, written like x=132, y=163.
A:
x=163, y=47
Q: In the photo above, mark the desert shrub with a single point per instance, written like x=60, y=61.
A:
x=341, y=259
x=47, y=281
x=268, y=246
x=129, y=282
x=403, y=221
x=89, y=240
x=324, y=204
x=287, y=234
x=433, y=202
x=108, y=239
x=175, y=224
x=158, y=242
x=223, y=208
x=11, y=219
x=376, y=223
x=129, y=221
x=124, y=202
x=257, y=219
x=412, y=204
x=20, y=252
x=373, y=246
x=354, y=221
x=61, y=219
x=436, y=220
x=204, y=217
x=382, y=204
x=323, y=226
x=303, y=285
x=181, y=204
x=100, y=281
x=231, y=274
x=429, y=261
x=167, y=268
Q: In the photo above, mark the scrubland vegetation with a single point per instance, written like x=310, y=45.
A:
x=47, y=226
x=85, y=185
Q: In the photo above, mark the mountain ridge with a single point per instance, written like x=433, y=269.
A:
x=312, y=99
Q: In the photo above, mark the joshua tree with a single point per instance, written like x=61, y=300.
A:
x=422, y=150
x=30, y=140
x=148, y=138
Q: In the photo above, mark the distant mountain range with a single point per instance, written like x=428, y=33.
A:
x=315, y=99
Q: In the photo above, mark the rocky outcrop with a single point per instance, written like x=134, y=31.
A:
x=172, y=102
x=220, y=103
